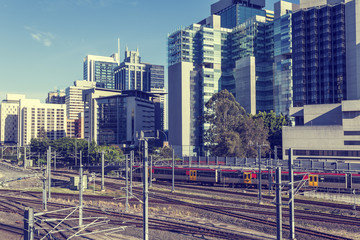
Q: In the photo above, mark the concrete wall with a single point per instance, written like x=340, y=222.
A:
x=179, y=106
x=245, y=83
x=313, y=137
x=322, y=114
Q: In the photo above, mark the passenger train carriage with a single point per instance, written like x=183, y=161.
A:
x=249, y=178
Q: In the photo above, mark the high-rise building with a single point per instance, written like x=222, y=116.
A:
x=155, y=75
x=56, y=97
x=75, y=106
x=114, y=116
x=9, y=113
x=326, y=52
x=236, y=12
x=132, y=74
x=207, y=57
x=23, y=119
x=282, y=81
x=100, y=69
x=194, y=59
x=248, y=68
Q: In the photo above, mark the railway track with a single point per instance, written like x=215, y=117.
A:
x=300, y=214
x=165, y=225
x=252, y=219
x=255, y=195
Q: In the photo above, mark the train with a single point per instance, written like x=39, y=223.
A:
x=250, y=178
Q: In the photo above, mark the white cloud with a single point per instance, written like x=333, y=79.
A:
x=43, y=37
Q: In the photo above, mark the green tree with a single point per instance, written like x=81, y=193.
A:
x=166, y=152
x=112, y=154
x=232, y=132
x=39, y=145
x=274, y=125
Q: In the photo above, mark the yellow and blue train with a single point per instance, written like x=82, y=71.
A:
x=250, y=178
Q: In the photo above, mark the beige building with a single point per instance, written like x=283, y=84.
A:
x=38, y=119
x=75, y=107
x=23, y=119
x=326, y=131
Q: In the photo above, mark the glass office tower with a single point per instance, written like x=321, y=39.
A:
x=248, y=64
x=236, y=12
x=100, y=69
x=319, y=55
x=283, y=87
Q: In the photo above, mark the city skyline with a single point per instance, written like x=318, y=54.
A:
x=46, y=41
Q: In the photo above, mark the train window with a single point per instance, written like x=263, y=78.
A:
x=356, y=179
x=311, y=179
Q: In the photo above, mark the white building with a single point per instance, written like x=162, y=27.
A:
x=9, y=109
x=38, y=119
x=23, y=119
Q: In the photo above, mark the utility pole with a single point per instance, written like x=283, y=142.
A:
x=131, y=169
x=25, y=157
x=88, y=154
x=259, y=175
x=144, y=140
x=278, y=204
x=151, y=167
x=81, y=192
x=55, y=161
x=49, y=171
x=127, y=182
x=354, y=201
x=102, y=171
x=173, y=172
x=75, y=154
x=44, y=190
x=29, y=224
x=146, y=191
x=17, y=152
x=291, y=195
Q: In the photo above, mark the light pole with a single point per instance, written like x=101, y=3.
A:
x=164, y=135
x=144, y=140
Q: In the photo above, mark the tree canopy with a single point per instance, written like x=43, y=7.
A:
x=67, y=147
x=231, y=132
x=274, y=124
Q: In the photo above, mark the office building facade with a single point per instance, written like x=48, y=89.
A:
x=100, y=69
x=114, y=117
x=56, y=97
x=75, y=107
x=24, y=119
x=283, y=66
x=326, y=52
x=248, y=69
x=132, y=74
x=194, y=59
x=236, y=12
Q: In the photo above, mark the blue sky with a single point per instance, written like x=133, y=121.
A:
x=43, y=42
